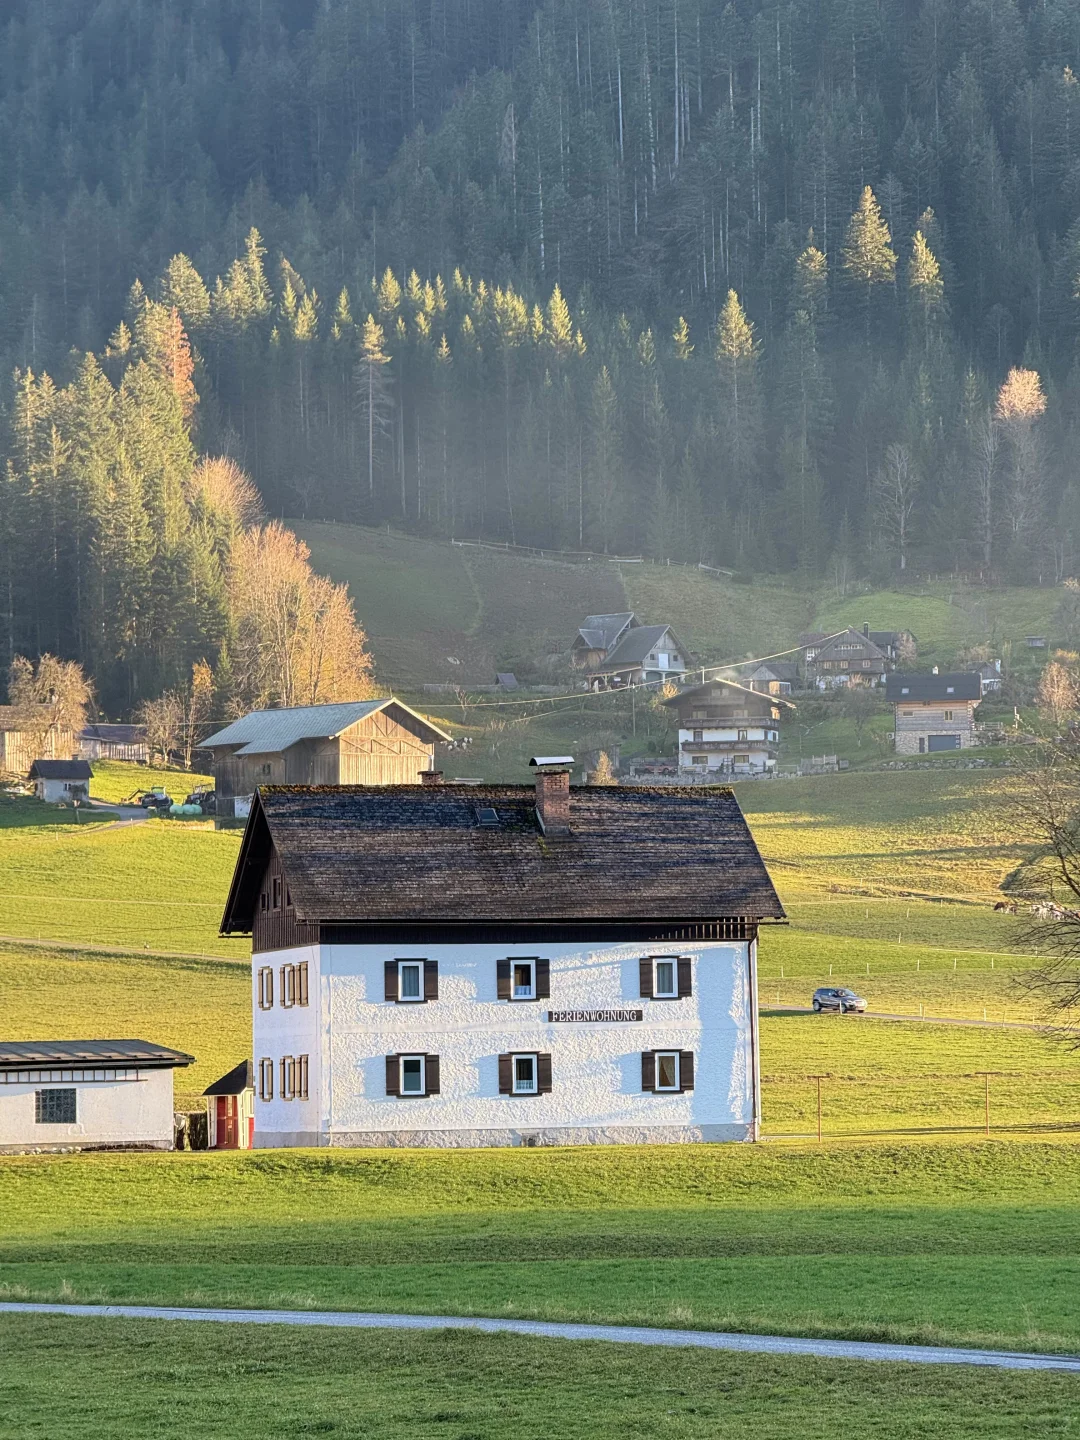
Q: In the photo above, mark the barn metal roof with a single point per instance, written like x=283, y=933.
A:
x=32, y=1054
x=400, y=853
x=265, y=732
x=634, y=646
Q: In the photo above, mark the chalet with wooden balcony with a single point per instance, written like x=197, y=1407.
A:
x=727, y=729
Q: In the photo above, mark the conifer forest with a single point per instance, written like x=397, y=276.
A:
x=774, y=286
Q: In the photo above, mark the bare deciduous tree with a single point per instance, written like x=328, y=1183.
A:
x=297, y=641
x=163, y=721
x=896, y=487
x=50, y=699
x=1058, y=693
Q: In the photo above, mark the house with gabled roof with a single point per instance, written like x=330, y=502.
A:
x=451, y=965
x=727, y=729
x=934, y=712
x=598, y=635
x=646, y=654
x=850, y=657
x=357, y=742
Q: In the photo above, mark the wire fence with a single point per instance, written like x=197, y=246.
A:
x=984, y=1102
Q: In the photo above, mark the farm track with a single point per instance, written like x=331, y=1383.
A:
x=916, y=1019
x=622, y=1334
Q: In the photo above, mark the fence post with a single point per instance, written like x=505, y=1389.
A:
x=818, y=1079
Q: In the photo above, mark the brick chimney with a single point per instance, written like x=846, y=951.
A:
x=553, y=792
x=431, y=777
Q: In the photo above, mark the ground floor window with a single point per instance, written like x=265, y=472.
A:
x=54, y=1107
x=524, y=1074
x=412, y=1074
x=667, y=1070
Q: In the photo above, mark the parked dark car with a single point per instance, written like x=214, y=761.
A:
x=839, y=999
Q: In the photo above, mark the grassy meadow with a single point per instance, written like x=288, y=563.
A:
x=114, y=1379
x=955, y=1241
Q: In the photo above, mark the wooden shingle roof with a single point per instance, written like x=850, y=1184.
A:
x=403, y=853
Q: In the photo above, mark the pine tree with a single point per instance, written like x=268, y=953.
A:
x=681, y=343
x=374, y=399
x=868, y=257
x=925, y=287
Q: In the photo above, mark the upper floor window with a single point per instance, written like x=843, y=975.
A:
x=276, y=891
x=948, y=714
x=525, y=1074
x=412, y=1076
x=699, y=735
x=665, y=977
x=742, y=734
x=265, y=987
x=524, y=978
x=410, y=982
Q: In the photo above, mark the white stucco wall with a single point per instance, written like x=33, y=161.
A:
x=296, y=1030
x=596, y=1067
x=108, y=1112
x=760, y=759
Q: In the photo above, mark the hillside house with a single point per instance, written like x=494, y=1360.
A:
x=87, y=1093
x=896, y=645
x=56, y=781
x=989, y=676
x=450, y=965
x=645, y=654
x=114, y=742
x=598, y=635
x=774, y=677
x=362, y=742
x=19, y=747
x=726, y=729
x=934, y=712
x=230, y=1109
x=848, y=658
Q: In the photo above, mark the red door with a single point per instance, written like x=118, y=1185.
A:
x=227, y=1131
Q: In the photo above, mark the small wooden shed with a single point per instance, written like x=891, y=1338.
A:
x=362, y=742
x=230, y=1109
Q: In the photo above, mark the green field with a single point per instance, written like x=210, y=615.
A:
x=114, y=1379
x=117, y=780
x=969, y=1242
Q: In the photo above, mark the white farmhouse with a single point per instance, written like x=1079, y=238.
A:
x=56, y=1094
x=445, y=965
x=727, y=729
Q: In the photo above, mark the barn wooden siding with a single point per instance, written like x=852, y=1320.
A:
x=377, y=750
x=18, y=750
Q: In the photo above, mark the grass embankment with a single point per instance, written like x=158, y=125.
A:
x=119, y=1378
x=113, y=1379
x=960, y=1242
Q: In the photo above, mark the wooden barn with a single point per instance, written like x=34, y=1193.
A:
x=360, y=742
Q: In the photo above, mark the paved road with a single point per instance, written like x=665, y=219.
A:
x=625, y=1334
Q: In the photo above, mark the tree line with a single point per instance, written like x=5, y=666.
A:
x=666, y=276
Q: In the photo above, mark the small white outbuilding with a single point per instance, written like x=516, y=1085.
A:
x=55, y=781
x=84, y=1094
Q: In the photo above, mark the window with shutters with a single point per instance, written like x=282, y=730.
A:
x=54, y=1107
x=525, y=977
x=287, y=1088
x=525, y=1073
x=410, y=1077
x=266, y=1079
x=667, y=1072
x=412, y=981
x=301, y=1077
x=288, y=986
x=665, y=977
x=265, y=987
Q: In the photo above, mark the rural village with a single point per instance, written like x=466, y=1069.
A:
x=540, y=720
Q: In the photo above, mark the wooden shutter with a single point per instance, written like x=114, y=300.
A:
x=431, y=990
x=288, y=987
x=686, y=1069
x=302, y=983
x=686, y=984
x=502, y=981
x=506, y=1072
x=393, y=1075
x=543, y=1074
x=431, y=1074
x=645, y=974
x=543, y=979
x=390, y=984
x=648, y=1070
x=301, y=1077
